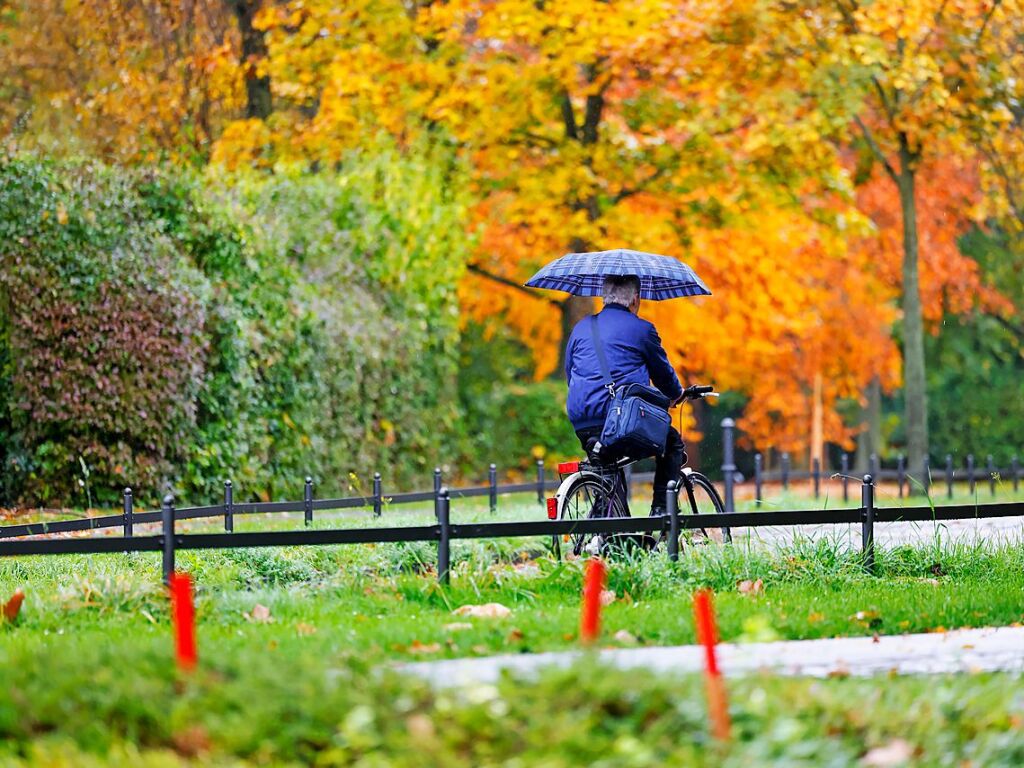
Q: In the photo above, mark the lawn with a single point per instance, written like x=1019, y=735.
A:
x=118, y=703
x=88, y=664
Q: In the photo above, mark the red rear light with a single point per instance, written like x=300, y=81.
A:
x=568, y=467
x=552, y=509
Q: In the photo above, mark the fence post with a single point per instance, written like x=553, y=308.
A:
x=901, y=469
x=991, y=467
x=540, y=481
x=875, y=467
x=167, y=517
x=949, y=475
x=672, y=507
x=444, y=537
x=867, y=500
x=758, y=466
x=926, y=476
x=1015, y=470
x=817, y=476
x=377, y=499
x=437, y=481
x=785, y=471
x=129, y=513
x=728, y=462
x=629, y=482
x=492, y=479
x=229, y=506
x=307, y=501
x=844, y=471
x=970, y=473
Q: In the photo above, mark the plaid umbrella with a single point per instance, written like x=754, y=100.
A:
x=583, y=274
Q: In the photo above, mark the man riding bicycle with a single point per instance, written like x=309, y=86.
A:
x=634, y=354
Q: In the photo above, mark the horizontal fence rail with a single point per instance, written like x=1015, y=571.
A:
x=670, y=525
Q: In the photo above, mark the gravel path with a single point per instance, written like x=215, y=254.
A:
x=966, y=650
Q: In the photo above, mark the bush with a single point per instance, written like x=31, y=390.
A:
x=103, y=336
x=163, y=329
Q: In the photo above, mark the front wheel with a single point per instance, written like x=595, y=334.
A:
x=701, y=498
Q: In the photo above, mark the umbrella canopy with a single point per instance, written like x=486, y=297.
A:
x=583, y=274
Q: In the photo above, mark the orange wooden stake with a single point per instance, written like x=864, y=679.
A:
x=184, y=617
x=13, y=606
x=707, y=635
x=593, y=586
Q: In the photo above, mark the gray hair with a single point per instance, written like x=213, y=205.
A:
x=621, y=289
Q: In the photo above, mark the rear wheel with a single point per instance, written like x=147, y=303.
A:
x=698, y=496
x=587, y=498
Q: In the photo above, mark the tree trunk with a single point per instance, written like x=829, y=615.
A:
x=915, y=396
x=258, y=102
x=869, y=441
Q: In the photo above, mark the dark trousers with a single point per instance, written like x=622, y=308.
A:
x=667, y=466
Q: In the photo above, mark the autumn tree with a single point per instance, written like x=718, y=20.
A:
x=138, y=81
x=919, y=73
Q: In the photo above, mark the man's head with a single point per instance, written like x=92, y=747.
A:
x=623, y=290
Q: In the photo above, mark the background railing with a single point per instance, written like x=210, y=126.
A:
x=443, y=531
x=378, y=501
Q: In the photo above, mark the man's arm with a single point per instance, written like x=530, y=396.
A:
x=662, y=373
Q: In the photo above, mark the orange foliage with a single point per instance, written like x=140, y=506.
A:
x=948, y=192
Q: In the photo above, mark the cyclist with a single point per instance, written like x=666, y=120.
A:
x=635, y=355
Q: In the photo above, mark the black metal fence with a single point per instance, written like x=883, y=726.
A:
x=924, y=482
x=909, y=482
x=443, y=531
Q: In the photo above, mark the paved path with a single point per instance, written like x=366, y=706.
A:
x=966, y=650
x=995, y=530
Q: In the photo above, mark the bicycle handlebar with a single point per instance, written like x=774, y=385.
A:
x=699, y=390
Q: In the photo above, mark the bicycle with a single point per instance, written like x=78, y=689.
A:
x=593, y=488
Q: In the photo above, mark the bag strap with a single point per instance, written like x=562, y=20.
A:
x=601, y=360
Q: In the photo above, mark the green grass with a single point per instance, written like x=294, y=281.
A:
x=88, y=678
x=122, y=704
x=383, y=601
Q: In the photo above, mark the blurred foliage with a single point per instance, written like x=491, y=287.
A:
x=977, y=365
x=509, y=419
x=161, y=328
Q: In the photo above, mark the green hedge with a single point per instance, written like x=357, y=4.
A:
x=160, y=330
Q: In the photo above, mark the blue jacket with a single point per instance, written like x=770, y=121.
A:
x=634, y=353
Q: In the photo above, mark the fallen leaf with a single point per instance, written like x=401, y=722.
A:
x=933, y=582
x=625, y=637
x=607, y=596
x=479, y=649
x=748, y=587
x=515, y=636
x=457, y=626
x=896, y=752
x=304, y=629
x=192, y=741
x=259, y=614
x=13, y=606
x=814, y=617
x=417, y=647
x=875, y=638
x=485, y=611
